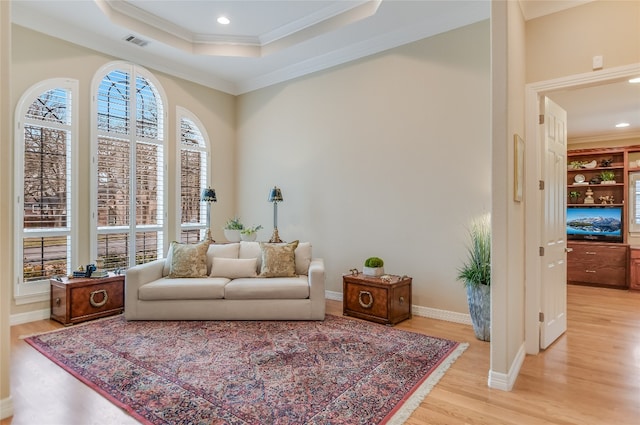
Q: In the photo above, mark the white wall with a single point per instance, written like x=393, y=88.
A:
x=387, y=156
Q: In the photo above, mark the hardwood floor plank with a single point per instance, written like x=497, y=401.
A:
x=590, y=376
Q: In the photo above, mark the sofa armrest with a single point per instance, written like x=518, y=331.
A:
x=137, y=276
x=316, y=287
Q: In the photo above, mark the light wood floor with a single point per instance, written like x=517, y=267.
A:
x=591, y=375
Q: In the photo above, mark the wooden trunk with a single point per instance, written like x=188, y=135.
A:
x=78, y=300
x=377, y=300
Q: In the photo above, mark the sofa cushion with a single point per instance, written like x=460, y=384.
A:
x=225, y=250
x=249, y=249
x=267, y=289
x=221, y=250
x=188, y=260
x=183, y=289
x=278, y=260
x=303, y=257
x=233, y=268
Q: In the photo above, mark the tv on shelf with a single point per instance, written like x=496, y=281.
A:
x=599, y=224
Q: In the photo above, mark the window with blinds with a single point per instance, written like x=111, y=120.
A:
x=634, y=202
x=44, y=154
x=129, y=169
x=193, y=179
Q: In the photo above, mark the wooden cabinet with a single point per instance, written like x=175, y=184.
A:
x=377, y=299
x=602, y=264
x=78, y=300
x=634, y=266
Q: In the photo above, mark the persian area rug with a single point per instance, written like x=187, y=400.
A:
x=340, y=371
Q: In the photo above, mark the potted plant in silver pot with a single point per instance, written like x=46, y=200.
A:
x=475, y=273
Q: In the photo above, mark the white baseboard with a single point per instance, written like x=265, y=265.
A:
x=31, y=316
x=432, y=313
x=332, y=295
x=6, y=407
x=505, y=382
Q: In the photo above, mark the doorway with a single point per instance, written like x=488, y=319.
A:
x=534, y=92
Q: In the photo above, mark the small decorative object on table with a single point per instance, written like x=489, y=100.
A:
x=385, y=299
x=373, y=266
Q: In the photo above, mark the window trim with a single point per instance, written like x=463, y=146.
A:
x=633, y=226
x=99, y=75
x=181, y=113
x=25, y=293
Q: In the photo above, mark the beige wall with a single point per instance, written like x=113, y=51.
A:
x=508, y=248
x=37, y=57
x=387, y=156
x=564, y=43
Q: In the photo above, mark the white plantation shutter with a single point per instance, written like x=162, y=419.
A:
x=129, y=169
x=634, y=202
x=44, y=158
x=193, y=178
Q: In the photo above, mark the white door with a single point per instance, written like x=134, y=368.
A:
x=554, y=233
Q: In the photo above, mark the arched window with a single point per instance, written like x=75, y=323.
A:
x=129, y=166
x=45, y=154
x=194, y=149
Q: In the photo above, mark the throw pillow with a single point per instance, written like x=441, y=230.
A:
x=278, y=260
x=188, y=260
x=233, y=268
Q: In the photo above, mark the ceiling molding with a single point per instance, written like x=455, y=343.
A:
x=334, y=16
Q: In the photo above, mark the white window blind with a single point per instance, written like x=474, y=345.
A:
x=130, y=170
x=193, y=179
x=44, y=159
x=634, y=202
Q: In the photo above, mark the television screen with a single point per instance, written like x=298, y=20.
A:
x=595, y=223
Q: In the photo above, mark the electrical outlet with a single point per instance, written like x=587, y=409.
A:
x=597, y=62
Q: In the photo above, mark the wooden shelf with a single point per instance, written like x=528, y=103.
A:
x=595, y=205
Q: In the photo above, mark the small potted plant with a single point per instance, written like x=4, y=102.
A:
x=373, y=266
x=607, y=177
x=574, y=195
x=232, y=229
x=250, y=233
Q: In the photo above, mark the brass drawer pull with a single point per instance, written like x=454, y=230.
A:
x=105, y=297
x=362, y=303
x=590, y=253
x=401, y=300
x=590, y=271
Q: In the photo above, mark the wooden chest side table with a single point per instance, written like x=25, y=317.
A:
x=80, y=299
x=375, y=299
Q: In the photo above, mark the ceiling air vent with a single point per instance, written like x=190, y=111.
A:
x=136, y=40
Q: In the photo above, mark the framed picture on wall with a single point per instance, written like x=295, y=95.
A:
x=518, y=167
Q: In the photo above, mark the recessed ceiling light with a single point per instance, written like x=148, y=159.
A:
x=622, y=125
x=635, y=80
x=223, y=20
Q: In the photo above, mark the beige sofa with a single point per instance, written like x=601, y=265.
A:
x=235, y=286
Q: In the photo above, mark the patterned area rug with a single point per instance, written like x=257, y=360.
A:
x=340, y=371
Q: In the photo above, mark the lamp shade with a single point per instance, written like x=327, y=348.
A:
x=209, y=195
x=275, y=195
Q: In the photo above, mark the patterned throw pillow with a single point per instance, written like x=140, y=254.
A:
x=278, y=260
x=188, y=260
